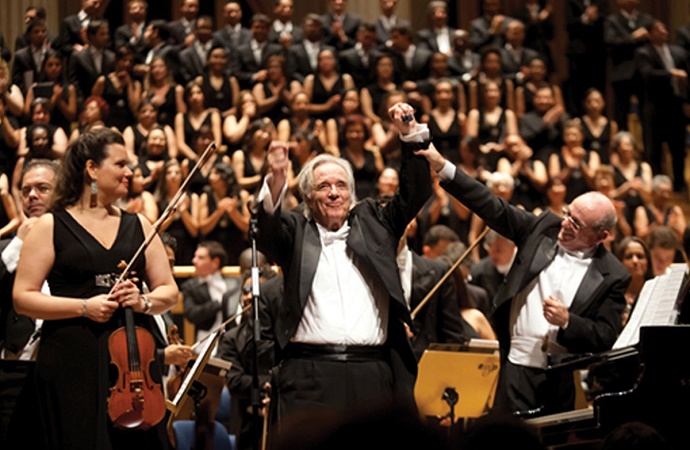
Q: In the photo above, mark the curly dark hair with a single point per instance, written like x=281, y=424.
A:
x=90, y=145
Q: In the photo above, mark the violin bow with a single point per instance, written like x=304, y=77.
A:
x=172, y=205
x=452, y=269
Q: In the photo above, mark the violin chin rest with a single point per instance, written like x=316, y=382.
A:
x=130, y=419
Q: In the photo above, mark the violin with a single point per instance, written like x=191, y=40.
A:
x=175, y=381
x=136, y=401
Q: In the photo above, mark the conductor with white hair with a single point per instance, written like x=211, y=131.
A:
x=340, y=338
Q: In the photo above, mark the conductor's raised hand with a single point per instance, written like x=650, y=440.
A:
x=402, y=116
x=278, y=162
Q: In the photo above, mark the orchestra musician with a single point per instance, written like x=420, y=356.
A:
x=563, y=294
x=77, y=247
x=325, y=334
x=19, y=335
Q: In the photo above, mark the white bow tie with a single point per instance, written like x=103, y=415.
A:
x=329, y=237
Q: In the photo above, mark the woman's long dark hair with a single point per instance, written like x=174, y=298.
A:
x=71, y=180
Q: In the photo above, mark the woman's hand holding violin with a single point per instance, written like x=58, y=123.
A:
x=127, y=294
x=99, y=308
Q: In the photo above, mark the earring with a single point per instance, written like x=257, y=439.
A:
x=94, y=192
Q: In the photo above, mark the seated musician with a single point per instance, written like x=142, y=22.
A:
x=563, y=294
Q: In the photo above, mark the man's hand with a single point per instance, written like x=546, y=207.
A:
x=278, y=163
x=178, y=355
x=436, y=161
x=555, y=312
x=402, y=117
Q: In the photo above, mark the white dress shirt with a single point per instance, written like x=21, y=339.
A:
x=531, y=336
x=345, y=305
x=216, y=288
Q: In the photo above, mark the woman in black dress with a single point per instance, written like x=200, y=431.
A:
x=365, y=159
x=120, y=90
x=221, y=91
x=182, y=224
x=165, y=94
x=64, y=95
x=135, y=135
x=77, y=249
x=326, y=85
x=223, y=215
x=188, y=124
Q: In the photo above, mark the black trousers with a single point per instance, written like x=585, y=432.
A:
x=308, y=383
x=531, y=391
x=20, y=424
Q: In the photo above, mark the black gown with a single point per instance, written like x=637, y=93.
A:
x=321, y=95
x=186, y=243
x=226, y=232
x=73, y=374
x=120, y=115
x=447, y=141
x=599, y=144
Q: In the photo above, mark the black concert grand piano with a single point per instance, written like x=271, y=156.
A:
x=645, y=378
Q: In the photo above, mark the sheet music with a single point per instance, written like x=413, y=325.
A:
x=203, y=355
x=655, y=305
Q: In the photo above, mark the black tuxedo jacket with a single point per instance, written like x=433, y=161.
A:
x=70, y=34
x=5, y=51
x=683, y=36
x=160, y=337
x=245, y=65
x=201, y=310
x=595, y=311
x=292, y=240
x=82, y=70
x=426, y=38
x=657, y=79
x=178, y=33
x=237, y=346
x=222, y=37
x=510, y=66
x=585, y=38
x=297, y=34
x=24, y=62
x=419, y=69
x=191, y=65
x=457, y=67
x=439, y=321
x=485, y=275
x=298, y=61
x=350, y=62
x=382, y=34
x=618, y=38
x=480, y=37
x=15, y=329
x=351, y=24
x=123, y=36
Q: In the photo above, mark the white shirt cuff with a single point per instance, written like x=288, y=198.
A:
x=10, y=256
x=266, y=197
x=447, y=173
x=419, y=133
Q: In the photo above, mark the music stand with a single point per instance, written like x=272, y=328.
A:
x=194, y=373
x=471, y=372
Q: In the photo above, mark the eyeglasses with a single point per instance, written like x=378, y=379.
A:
x=569, y=218
x=247, y=289
x=42, y=189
